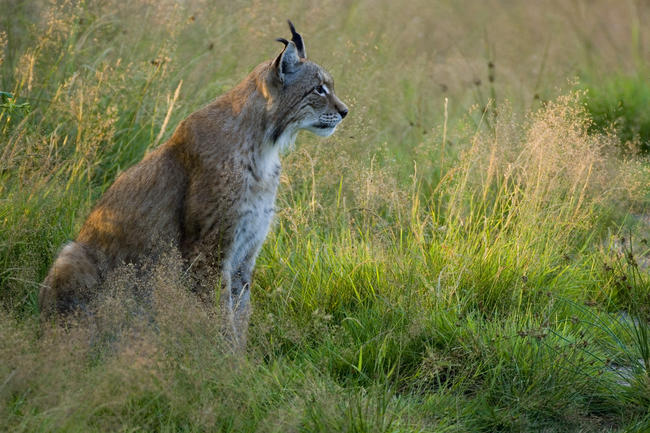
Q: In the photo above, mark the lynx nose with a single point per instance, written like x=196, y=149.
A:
x=340, y=106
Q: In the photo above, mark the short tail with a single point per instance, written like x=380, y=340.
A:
x=70, y=282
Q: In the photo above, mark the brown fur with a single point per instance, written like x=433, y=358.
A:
x=208, y=191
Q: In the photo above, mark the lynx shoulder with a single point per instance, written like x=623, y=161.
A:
x=209, y=191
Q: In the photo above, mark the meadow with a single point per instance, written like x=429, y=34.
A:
x=468, y=252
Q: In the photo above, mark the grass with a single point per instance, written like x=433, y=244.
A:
x=619, y=103
x=466, y=253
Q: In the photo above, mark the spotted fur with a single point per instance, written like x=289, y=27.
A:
x=209, y=191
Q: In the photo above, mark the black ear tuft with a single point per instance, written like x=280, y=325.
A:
x=276, y=62
x=297, y=39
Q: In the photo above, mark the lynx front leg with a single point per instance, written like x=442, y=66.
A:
x=227, y=304
x=241, y=302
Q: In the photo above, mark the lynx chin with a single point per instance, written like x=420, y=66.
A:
x=209, y=191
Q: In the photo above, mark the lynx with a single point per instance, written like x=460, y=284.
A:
x=209, y=191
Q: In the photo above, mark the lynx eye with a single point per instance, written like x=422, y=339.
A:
x=321, y=90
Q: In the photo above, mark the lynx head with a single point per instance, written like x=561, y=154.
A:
x=302, y=93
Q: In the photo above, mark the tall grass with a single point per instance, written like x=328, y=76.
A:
x=619, y=104
x=437, y=265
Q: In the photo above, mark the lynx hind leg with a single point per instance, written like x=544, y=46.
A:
x=70, y=281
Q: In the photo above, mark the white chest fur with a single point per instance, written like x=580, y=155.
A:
x=255, y=209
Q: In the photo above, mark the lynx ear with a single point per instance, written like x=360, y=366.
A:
x=297, y=39
x=288, y=62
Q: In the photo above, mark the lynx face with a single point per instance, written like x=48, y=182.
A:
x=324, y=110
x=304, y=91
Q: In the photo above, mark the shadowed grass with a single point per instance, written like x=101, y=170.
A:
x=620, y=104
